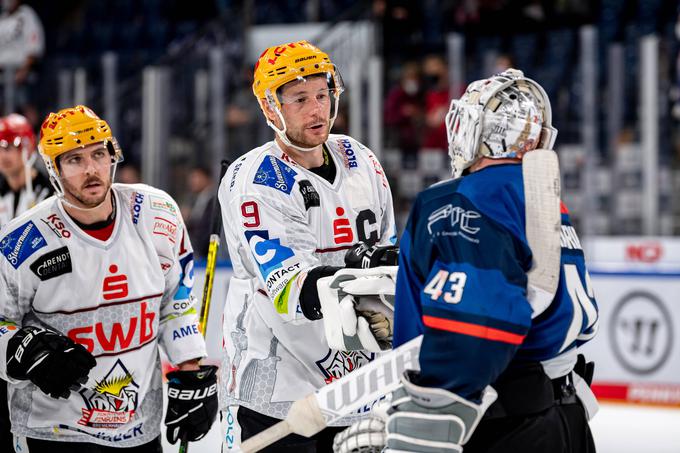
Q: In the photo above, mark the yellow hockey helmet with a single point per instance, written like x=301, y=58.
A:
x=71, y=128
x=279, y=65
x=284, y=63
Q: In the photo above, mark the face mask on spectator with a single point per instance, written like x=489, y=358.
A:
x=411, y=86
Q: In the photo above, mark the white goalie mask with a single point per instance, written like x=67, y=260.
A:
x=498, y=117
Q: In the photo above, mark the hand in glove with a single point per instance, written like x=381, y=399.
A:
x=53, y=362
x=364, y=256
x=192, y=403
x=357, y=309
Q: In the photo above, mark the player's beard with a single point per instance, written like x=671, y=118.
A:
x=87, y=201
x=304, y=139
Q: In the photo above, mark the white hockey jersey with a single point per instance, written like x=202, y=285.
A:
x=14, y=203
x=280, y=221
x=119, y=298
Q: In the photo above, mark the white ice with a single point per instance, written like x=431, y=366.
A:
x=617, y=428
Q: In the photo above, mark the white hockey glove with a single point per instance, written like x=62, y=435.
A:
x=425, y=419
x=365, y=436
x=358, y=308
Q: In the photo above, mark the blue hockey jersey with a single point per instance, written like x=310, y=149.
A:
x=462, y=283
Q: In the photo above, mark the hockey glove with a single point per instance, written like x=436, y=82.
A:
x=364, y=256
x=192, y=403
x=426, y=419
x=366, y=436
x=53, y=362
x=357, y=307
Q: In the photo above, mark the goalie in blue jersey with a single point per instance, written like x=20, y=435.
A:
x=500, y=369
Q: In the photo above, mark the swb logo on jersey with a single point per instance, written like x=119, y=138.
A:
x=115, y=286
x=134, y=326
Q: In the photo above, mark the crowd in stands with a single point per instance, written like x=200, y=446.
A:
x=75, y=33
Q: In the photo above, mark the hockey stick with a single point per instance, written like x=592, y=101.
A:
x=362, y=386
x=543, y=223
x=541, y=174
x=210, y=264
x=211, y=260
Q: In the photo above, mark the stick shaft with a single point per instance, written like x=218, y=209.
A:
x=209, y=272
x=266, y=437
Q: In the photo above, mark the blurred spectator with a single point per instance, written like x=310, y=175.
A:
x=128, y=173
x=402, y=25
x=435, y=76
x=243, y=118
x=202, y=192
x=22, y=43
x=503, y=62
x=21, y=185
x=404, y=112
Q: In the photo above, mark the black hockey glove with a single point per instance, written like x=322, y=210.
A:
x=363, y=256
x=53, y=362
x=192, y=403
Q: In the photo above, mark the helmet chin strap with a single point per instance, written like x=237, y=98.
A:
x=64, y=201
x=281, y=133
x=283, y=136
x=28, y=170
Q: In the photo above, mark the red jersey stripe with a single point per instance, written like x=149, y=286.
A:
x=563, y=208
x=473, y=330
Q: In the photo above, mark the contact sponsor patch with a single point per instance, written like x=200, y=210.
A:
x=274, y=173
x=21, y=243
x=52, y=264
x=268, y=252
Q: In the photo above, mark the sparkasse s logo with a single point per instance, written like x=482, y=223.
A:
x=342, y=230
x=115, y=286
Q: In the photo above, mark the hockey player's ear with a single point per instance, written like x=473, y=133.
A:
x=270, y=113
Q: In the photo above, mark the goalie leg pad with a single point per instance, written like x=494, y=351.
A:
x=424, y=419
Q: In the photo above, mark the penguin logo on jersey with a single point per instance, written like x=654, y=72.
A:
x=338, y=363
x=114, y=400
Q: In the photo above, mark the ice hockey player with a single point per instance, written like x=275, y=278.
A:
x=462, y=283
x=21, y=187
x=292, y=209
x=92, y=281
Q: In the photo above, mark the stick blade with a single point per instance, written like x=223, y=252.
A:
x=362, y=386
x=540, y=169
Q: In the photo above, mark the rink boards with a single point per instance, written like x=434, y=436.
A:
x=637, y=349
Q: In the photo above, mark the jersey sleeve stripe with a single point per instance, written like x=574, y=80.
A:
x=473, y=330
x=563, y=208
